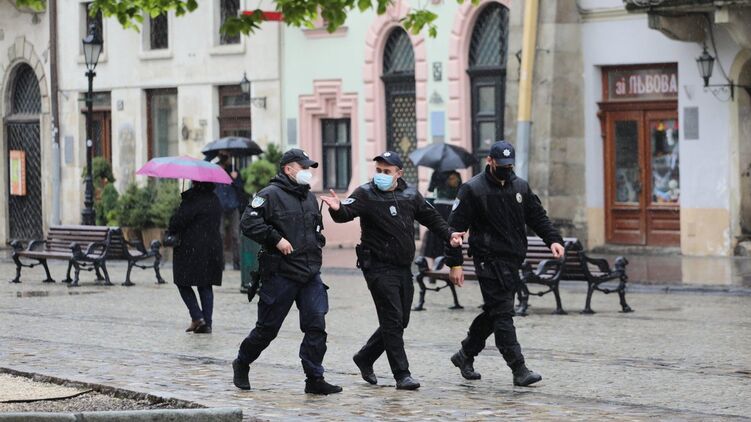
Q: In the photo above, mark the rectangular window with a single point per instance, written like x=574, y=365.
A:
x=337, y=153
x=161, y=105
x=228, y=9
x=159, y=32
x=234, y=112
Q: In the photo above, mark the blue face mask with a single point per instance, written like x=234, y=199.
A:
x=383, y=181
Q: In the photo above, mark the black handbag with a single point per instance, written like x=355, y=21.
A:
x=171, y=240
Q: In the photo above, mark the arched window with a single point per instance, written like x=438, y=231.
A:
x=487, y=72
x=399, y=83
x=24, y=156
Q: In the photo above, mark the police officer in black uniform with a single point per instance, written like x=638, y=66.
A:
x=387, y=208
x=495, y=206
x=285, y=219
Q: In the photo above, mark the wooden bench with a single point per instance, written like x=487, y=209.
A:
x=134, y=252
x=64, y=243
x=539, y=267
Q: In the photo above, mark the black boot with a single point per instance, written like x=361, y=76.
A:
x=320, y=386
x=464, y=363
x=240, y=377
x=366, y=371
x=407, y=383
x=523, y=377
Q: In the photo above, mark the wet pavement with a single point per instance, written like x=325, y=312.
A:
x=679, y=356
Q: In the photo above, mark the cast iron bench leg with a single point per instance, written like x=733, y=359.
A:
x=18, y=269
x=127, y=274
x=76, y=274
x=157, y=262
x=587, y=306
x=622, y=296
x=523, y=296
x=49, y=278
x=558, y=306
x=99, y=276
x=421, y=302
x=456, y=298
x=67, y=274
x=107, y=281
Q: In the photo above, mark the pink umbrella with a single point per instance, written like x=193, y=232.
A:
x=185, y=168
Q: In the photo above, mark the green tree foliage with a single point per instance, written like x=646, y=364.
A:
x=149, y=206
x=106, y=207
x=273, y=154
x=134, y=206
x=297, y=13
x=101, y=172
x=258, y=175
x=166, y=200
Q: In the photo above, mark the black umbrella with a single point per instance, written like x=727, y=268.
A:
x=442, y=157
x=236, y=147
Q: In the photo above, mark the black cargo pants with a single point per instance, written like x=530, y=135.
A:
x=497, y=314
x=392, y=291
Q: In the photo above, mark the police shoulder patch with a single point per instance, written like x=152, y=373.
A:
x=348, y=201
x=257, y=201
x=456, y=204
x=518, y=197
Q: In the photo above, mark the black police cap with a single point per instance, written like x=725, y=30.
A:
x=503, y=153
x=390, y=157
x=296, y=155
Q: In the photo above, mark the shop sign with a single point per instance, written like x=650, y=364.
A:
x=17, y=173
x=656, y=83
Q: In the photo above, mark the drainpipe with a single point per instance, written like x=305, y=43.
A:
x=54, y=114
x=526, y=74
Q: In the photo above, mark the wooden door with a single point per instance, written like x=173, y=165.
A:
x=662, y=165
x=624, y=178
x=642, y=183
x=101, y=133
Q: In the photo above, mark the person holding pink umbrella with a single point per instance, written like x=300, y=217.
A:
x=194, y=232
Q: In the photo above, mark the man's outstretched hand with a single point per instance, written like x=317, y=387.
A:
x=332, y=201
x=457, y=238
x=557, y=250
x=456, y=275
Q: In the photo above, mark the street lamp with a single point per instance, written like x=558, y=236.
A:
x=258, y=102
x=92, y=48
x=705, y=62
x=245, y=85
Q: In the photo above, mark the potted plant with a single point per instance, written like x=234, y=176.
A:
x=101, y=173
x=166, y=199
x=133, y=211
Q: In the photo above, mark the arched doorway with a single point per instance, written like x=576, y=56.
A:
x=24, y=155
x=487, y=71
x=399, y=83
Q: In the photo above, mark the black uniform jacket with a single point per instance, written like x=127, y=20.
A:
x=285, y=209
x=496, y=215
x=387, y=220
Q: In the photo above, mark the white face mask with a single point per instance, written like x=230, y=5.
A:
x=304, y=177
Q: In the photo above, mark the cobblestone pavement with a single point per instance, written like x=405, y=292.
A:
x=678, y=357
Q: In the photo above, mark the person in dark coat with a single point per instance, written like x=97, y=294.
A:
x=445, y=184
x=230, y=198
x=496, y=206
x=197, y=259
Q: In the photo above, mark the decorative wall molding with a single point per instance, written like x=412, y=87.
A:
x=328, y=102
x=375, y=105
